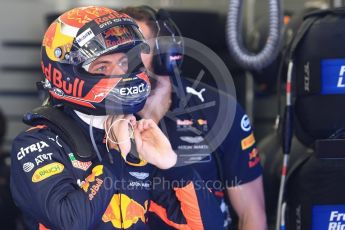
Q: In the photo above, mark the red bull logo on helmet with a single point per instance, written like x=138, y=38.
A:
x=117, y=35
x=112, y=16
x=55, y=76
x=115, y=31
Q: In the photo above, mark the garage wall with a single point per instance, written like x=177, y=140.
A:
x=21, y=25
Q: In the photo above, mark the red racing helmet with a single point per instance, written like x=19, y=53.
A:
x=78, y=37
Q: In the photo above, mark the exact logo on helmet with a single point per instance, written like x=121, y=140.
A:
x=125, y=91
x=55, y=76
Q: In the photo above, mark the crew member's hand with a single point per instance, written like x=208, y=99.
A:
x=119, y=132
x=153, y=146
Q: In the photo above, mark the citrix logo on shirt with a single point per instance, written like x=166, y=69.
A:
x=31, y=149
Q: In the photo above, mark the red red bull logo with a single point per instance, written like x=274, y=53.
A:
x=202, y=122
x=115, y=31
x=254, y=158
x=96, y=182
x=112, y=16
x=121, y=207
x=117, y=35
x=54, y=75
x=72, y=91
x=253, y=154
x=117, y=41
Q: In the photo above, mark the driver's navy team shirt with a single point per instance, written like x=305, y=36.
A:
x=56, y=190
x=187, y=132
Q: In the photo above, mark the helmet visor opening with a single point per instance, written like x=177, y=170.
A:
x=115, y=39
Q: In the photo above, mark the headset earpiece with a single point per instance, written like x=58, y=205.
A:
x=168, y=44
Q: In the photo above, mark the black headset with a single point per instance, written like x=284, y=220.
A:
x=169, y=47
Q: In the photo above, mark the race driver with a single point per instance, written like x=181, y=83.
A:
x=91, y=61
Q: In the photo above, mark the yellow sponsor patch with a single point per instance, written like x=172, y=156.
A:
x=248, y=142
x=47, y=171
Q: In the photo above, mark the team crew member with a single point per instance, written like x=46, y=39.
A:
x=236, y=162
x=91, y=61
